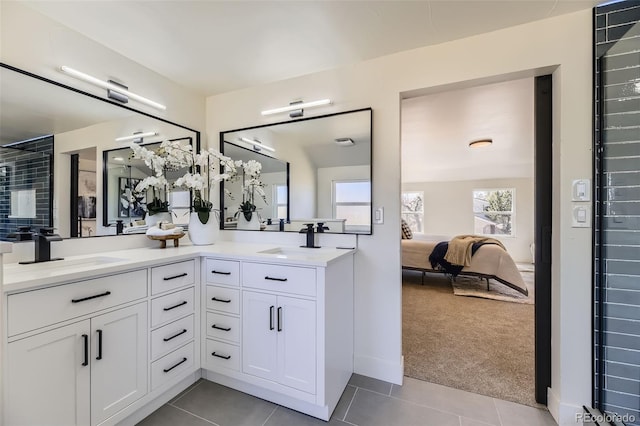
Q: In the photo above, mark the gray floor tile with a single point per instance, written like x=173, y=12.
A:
x=286, y=417
x=467, y=404
x=181, y=394
x=172, y=416
x=464, y=421
x=370, y=383
x=372, y=409
x=344, y=402
x=225, y=406
x=513, y=414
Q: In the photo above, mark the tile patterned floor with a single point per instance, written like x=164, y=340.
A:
x=365, y=402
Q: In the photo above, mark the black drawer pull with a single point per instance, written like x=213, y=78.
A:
x=220, y=273
x=184, y=274
x=184, y=302
x=99, y=357
x=280, y=318
x=221, y=356
x=215, y=299
x=106, y=293
x=274, y=279
x=217, y=327
x=85, y=337
x=166, y=370
x=271, y=317
x=166, y=339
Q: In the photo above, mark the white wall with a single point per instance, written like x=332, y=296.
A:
x=561, y=45
x=448, y=210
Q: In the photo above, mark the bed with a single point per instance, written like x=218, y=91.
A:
x=490, y=261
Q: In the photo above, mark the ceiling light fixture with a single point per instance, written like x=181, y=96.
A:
x=344, y=142
x=257, y=144
x=118, y=159
x=137, y=137
x=115, y=90
x=480, y=143
x=297, y=106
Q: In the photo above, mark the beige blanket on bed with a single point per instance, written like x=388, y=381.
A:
x=490, y=260
x=459, y=251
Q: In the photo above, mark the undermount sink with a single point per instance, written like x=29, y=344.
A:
x=87, y=261
x=299, y=252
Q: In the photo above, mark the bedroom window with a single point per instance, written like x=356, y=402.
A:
x=413, y=210
x=493, y=211
x=352, y=201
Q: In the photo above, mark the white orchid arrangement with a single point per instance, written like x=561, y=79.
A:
x=158, y=181
x=251, y=185
x=203, y=171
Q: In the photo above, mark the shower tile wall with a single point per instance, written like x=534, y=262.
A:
x=26, y=166
x=617, y=225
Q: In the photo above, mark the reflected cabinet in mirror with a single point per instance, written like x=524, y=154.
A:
x=52, y=139
x=314, y=170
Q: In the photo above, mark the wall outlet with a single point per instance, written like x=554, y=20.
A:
x=378, y=215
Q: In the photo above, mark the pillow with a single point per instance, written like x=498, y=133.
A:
x=406, y=231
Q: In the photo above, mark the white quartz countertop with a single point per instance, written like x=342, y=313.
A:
x=19, y=277
x=5, y=247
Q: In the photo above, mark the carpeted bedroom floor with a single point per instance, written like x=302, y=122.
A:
x=478, y=345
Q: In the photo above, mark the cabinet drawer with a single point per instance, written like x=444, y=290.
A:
x=226, y=355
x=223, y=299
x=226, y=272
x=39, y=308
x=289, y=279
x=167, y=277
x=173, y=365
x=171, y=306
x=173, y=335
x=223, y=327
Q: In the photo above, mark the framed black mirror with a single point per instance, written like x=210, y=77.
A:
x=329, y=171
x=80, y=126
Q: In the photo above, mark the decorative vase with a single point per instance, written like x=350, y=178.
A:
x=202, y=234
x=249, y=225
x=152, y=220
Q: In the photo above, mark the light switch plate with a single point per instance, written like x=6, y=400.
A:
x=581, y=190
x=378, y=215
x=581, y=217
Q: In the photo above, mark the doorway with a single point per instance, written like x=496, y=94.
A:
x=467, y=334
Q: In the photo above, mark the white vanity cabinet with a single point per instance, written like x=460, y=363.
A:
x=296, y=340
x=84, y=372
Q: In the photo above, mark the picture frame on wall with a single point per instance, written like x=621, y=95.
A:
x=130, y=202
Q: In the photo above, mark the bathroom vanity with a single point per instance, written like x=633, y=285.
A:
x=108, y=338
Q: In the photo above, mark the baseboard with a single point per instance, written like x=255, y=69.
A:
x=564, y=414
x=379, y=368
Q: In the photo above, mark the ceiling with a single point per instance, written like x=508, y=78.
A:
x=218, y=46
x=436, y=130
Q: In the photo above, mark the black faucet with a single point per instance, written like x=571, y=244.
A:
x=43, y=245
x=322, y=228
x=311, y=243
x=22, y=234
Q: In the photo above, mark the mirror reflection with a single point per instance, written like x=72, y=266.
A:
x=52, y=140
x=329, y=160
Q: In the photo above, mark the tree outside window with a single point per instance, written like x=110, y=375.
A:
x=413, y=210
x=493, y=211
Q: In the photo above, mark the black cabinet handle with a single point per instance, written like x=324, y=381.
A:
x=85, y=337
x=275, y=279
x=215, y=299
x=221, y=356
x=220, y=272
x=184, y=274
x=166, y=370
x=184, y=302
x=106, y=293
x=280, y=318
x=271, y=317
x=166, y=339
x=99, y=357
x=217, y=327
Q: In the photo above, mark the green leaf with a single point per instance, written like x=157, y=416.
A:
x=203, y=215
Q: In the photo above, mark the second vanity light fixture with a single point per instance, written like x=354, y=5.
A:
x=257, y=144
x=115, y=90
x=136, y=137
x=296, y=108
